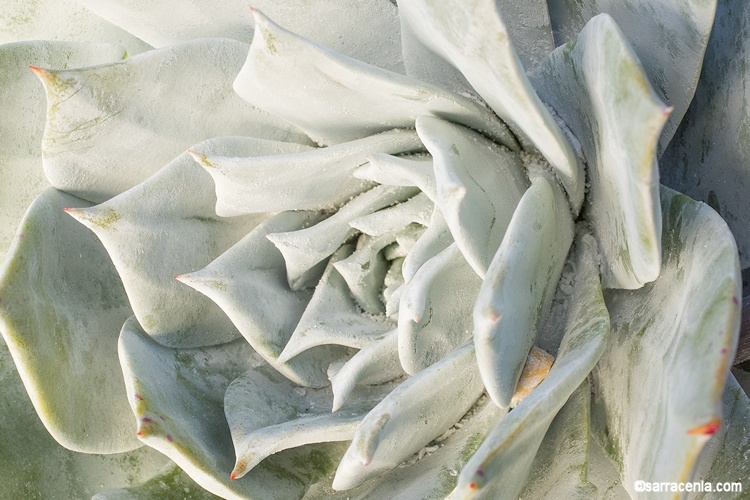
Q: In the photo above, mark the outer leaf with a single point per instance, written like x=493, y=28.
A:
x=302, y=180
x=669, y=37
x=679, y=334
x=366, y=99
x=363, y=29
x=435, y=310
x=708, y=157
x=517, y=293
x=172, y=483
x=177, y=396
x=105, y=132
x=22, y=124
x=473, y=37
x=63, y=20
x=597, y=84
x=28, y=452
x=412, y=415
x=267, y=414
x=503, y=461
x=167, y=226
x=249, y=283
x=479, y=185
x=61, y=309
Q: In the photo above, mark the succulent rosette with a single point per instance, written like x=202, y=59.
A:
x=368, y=249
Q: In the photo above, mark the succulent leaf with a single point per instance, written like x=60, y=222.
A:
x=23, y=114
x=184, y=419
x=368, y=99
x=598, y=86
x=61, y=309
x=169, y=482
x=668, y=36
x=306, y=179
x=658, y=333
x=400, y=171
x=473, y=37
x=517, y=292
x=505, y=457
x=530, y=32
x=177, y=204
x=104, y=135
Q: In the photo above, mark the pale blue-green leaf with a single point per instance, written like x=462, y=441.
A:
x=726, y=457
x=669, y=37
x=61, y=309
x=393, y=286
x=520, y=284
x=560, y=467
x=598, y=86
x=341, y=99
x=479, y=185
x=177, y=395
x=709, y=156
x=474, y=38
x=376, y=363
x=679, y=334
x=434, y=315
x=436, y=238
x=268, y=414
x=249, y=283
x=530, y=29
x=417, y=209
x=364, y=271
x=23, y=107
x=62, y=20
x=415, y=170
x=167, y=226
x=170, y=484
x=413, y=414
x=364, y=29
x=306, y=179
x=333, y=316
x=306, y=248
x=505, y=458
x=110, y=127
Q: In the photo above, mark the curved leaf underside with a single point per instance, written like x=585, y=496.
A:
x=679, y=334
x=167, y=226
x=177, y=396
x=171, y=481
x=104, y=135
x=343, y=99
x=598, y=86
x=61, y=309
x=473, y=37
x=22, y=111
x=669, y=37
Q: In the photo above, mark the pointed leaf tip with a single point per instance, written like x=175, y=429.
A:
x=708, y=429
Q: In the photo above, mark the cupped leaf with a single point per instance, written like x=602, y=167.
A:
x=64, y=21
x=417, y=209
x=23, y=108
x=305, y=179
x=167, y=226
x=708, y=158
x=177, y=396
x=415, y=170
x=333, y=316
x=679, y=334
x=110, y=127
x=268, y=414
x=517, y=292
x=598, y=86
x=669, y=37
x=61, y=309
x=364, y=29
x=479, y=185
x=434, y=315
x=504, y=460
x=306, y=248
x=436, y=238
x=474, y=38
x=344, y=99
x=249, y=283
x=413, y=414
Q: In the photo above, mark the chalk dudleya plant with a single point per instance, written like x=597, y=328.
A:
x=371, y=249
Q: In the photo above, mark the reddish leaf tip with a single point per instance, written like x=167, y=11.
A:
x=708, y=429
x=232, y=476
